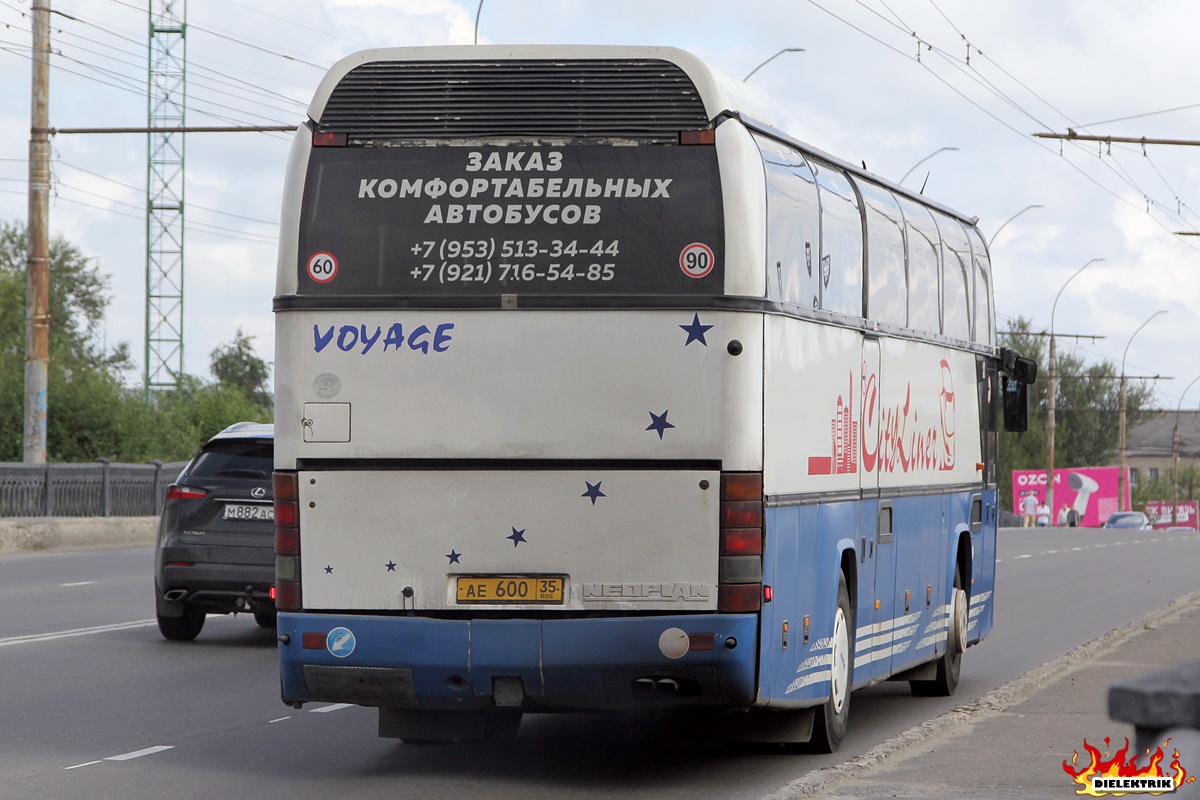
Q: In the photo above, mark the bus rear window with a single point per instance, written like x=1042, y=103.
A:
x=490, y=220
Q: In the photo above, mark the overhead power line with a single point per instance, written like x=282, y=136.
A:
x=177, y=129
x=1072, y=135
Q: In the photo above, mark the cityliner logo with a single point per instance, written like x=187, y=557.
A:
x=892, y=437
x=1120, y=774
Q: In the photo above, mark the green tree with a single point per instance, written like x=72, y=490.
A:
x=236, y=365
x=1087, y=410
x=92, y=412
x=84, y=381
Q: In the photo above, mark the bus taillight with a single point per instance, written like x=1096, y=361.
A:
x=739, y=586
x=287, y=541
x=329, y=139
x=706, y=136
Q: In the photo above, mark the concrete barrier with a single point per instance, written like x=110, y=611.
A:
x=62, y=534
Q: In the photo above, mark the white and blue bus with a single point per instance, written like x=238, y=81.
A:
x=594, y=392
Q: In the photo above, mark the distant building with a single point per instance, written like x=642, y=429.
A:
x=1149, y=446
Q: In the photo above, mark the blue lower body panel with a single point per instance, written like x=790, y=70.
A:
x=597, y=663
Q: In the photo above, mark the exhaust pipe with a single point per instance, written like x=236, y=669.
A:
x=655, y=687
x=176, y=594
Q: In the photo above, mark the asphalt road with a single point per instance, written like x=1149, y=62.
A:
x=95, y=704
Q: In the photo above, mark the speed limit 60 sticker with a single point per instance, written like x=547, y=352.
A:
x=696, y=260
x=322, y=267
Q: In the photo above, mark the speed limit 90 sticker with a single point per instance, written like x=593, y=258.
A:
x=322, y=267
x=696, y=260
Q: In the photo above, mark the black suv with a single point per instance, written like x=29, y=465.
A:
x=216, y=537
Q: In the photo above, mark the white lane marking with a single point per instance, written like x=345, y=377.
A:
x=281, y=719
x=49, y=637
x=85, y=764
x=119, y=626
x=327, y=709
x=1025, y=555
x=149, y=751
x=77, y=583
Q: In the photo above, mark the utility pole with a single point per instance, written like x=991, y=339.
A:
x=167, y=96
x=37, y=264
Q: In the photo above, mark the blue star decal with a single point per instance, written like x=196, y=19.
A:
x=328, y=570
x=659, y=423
x=696, y=331
x=517, y=537
x=593, y=491
x=391, y=566
x=453, y=556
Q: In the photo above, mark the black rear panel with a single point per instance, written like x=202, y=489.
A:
x=543, y=98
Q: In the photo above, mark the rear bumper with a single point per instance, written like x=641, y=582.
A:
x=604, y=663
x=215, y=578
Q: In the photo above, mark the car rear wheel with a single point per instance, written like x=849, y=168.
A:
x=266, y=619
x=183, y=628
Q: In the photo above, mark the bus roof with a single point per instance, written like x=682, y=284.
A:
x=719, y=91
x=720, y=94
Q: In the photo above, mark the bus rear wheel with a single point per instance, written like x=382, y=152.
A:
x=829, y=724
x=949, y=666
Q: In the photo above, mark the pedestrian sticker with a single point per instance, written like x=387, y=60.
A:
x=322, y=267
x=696, y=260
x=340, y=642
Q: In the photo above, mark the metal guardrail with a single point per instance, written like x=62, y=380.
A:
x=101, y=489
x=1009, y=520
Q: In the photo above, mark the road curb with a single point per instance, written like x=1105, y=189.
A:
x=960, y=719
x=23, y=535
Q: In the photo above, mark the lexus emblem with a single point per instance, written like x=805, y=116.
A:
x=258, y=491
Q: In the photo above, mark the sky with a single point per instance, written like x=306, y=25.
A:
x=885, y=82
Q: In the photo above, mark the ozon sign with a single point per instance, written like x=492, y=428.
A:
x=1035, y=479
x=1090, y=491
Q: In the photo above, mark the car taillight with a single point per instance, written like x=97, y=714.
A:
x=739, y=587
x=177, y=492
x=287, y=541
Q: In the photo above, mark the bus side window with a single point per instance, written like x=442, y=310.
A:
x=841, y=242
x=924, y=269
x=793, y=233
x=956, y=279
x=887, y=282
x=983, y=289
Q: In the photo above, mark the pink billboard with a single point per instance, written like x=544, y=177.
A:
x=1159, y=512
x=1091, y=491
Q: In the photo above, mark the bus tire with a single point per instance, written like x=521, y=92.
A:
x=829, y=722
x=950, y=664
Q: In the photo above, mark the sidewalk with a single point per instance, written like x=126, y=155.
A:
x=1013, y=741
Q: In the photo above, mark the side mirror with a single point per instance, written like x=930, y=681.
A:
x=1017, y=366
x=1016, y=403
